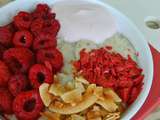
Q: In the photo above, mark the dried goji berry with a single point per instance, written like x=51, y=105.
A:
x=110, y=69
x=125, y=94
x=138, y=80
x=133, y=95
x=125, y=83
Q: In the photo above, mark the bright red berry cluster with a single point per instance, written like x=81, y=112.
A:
x=28, y=58
x=109, y=69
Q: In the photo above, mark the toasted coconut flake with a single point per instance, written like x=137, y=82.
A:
x=82, y=80
x=45, y=95
x=69, y=86
x=108, y=104
x=77, y=117
x=88, y=100
x=112, y=116
x=57, y=89
x=99, y=92
x=72, y=96
x=96, y=108
x=109, y=93
x=50, y=115
x=90, y=89
x=80, y=86
x=58, y=104
x=93, y=114
x=97, y=118
x=76, y=98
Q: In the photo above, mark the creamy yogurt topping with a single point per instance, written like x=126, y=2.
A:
x=84, y=21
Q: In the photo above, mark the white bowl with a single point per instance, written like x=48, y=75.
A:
x=125, y=26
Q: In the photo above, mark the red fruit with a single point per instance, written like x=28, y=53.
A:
x=5, y=36
x=42, y=8
x=109, y=69
x=84, y=57
x=134, y=72
x=23, y=20
x=4, y=74
x=53, y=55
x=51, y=16
x=77, y=65
x=2, y=49
x=125, y=94
x=138, y=80
x=108, y=47
x=125, y=83
x=44, y=40
x=37, y=25
x=28, y=105
x=17, y=84
x=133, y=95
x=5, y=101
x=18, y=59
x=41, y=11
x=105, y=83
x=48, y=65
x=11, y=27
x=39, y=74
x=52, y=27
x=23, y=39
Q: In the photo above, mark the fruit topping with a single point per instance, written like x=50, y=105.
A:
x=18, y=59
x=27, y=105
x=23, y=39
x=44, y=40
x=5, y=36
x=4, y=74
x=110, y=69
x=23, y=20
x=5, y=101
x=39, y=74
x=53, y=55
x=17, y=84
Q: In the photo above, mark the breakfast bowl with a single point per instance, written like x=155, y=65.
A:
x=116, y=22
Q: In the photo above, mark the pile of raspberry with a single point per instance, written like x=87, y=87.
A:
x=28, y=58
x=109, y=69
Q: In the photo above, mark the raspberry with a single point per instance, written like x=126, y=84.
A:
x=22, y=39
x=2, y=49
x=5, y=36
x=41, y=11
x=39, y=74
x=125, y=94
x=48, y=65
x=51, y=16
x=44, y=40
x=23, y=20
x=5, y=101
x=27, y=105
x=17, y=84
x=42, y=8
x=18, y=59
x=11, y=27
x=37, y=26
x=53, y=55
x=4, y=74
x=52, y=27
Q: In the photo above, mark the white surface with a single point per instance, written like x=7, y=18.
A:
x=124, y=26
x=137, y=11
x=86, y=25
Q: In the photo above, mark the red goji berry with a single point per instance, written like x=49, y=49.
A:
x=109, y=69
